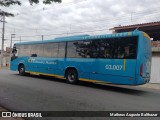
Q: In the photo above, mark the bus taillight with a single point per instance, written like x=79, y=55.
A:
x=141, y=70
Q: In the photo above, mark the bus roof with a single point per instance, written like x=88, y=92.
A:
x=85, y=37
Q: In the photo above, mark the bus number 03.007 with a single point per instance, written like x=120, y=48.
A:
x=114, y=67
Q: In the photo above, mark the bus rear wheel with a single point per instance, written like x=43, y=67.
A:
x=72, y=76
x=21, y=69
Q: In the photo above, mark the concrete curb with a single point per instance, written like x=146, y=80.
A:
x=151, y=85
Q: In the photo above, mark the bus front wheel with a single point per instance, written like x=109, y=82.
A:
x=21, y=69
x=72, y=76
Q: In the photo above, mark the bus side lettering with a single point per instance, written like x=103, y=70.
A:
x=113, y=67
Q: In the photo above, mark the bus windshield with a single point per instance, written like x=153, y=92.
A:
x=14, y=54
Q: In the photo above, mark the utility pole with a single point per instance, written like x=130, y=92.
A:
x=12, y=36
x=3, y=30
x=42, y=37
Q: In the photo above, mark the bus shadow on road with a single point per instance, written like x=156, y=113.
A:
x=126, y=89
x=115, y=88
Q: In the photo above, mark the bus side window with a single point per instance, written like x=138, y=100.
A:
x=85, y=48
x=24, y=50
x=106, y=46
x=125, y=48
x=94, y=52
x=55, y=50
x=36, y=50
x=121, y=53
x=71, y=49
x=61, y=49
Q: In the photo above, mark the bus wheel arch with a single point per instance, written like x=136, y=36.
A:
x=21, y=69
x=71, y=75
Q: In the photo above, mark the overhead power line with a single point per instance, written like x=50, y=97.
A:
x=115, y=19
x=90, y=26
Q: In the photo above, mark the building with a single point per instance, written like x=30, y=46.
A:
x=153, y=30
x=6, y=57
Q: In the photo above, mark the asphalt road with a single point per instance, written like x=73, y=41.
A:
x=34, y=93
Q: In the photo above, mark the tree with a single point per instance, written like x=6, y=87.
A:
x=44, y=1
x=7, y=3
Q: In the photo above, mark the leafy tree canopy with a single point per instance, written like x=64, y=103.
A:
x=7, y=3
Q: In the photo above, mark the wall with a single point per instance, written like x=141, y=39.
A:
x=155, y=68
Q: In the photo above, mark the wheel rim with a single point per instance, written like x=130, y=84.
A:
x=71, y=77
x=21, y=69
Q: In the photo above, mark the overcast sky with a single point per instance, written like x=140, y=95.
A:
x=76, y=17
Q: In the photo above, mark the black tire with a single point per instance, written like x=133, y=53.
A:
x=21, y=70
x=72, y=76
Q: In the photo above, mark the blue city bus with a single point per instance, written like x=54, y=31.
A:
x=120, y=58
